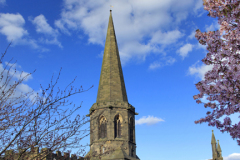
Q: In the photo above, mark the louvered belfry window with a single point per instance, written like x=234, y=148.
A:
x=103, y=127
x=131, y=129
x=117, y=126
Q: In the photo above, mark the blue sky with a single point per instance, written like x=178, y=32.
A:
x=160, y=56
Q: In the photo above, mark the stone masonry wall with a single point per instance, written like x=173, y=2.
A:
x=45, y=154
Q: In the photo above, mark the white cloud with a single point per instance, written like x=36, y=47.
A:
x=199, y=71
x=60, y=25
x=150, y=120
x=200, y=46
x=155, y=65
x=43, y=27
x=14, y=65
x=164, y=61
x=166, y=38
x=213, y=27
x=24, y=88
x=198, y=6
x=170, y=61
x=136, y=49
x=184, y=50
x=16, y=75
x=192, y=35
x=11, y=25
x=51, y=41
x=233, y=156
x=181, y=16
x=134, y=21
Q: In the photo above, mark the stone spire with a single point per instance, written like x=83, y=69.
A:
x=213, y=141
x=111, y=85
x=218, y=147
x=214, y=149
x=111, y=114
x=219, y=151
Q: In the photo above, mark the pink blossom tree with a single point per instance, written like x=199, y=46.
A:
x=222, y=83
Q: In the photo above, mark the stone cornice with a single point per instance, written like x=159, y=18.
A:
x=116, y=104
x=116, y=139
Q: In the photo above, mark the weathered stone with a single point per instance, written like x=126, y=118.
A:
x=111, y=102
x=216, y=151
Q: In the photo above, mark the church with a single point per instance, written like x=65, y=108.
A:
x=216, y=151
x=112, y=118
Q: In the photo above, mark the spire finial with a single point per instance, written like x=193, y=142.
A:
x=110, y=8
x=213, y=138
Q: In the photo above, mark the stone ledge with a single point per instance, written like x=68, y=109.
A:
x=111, y=105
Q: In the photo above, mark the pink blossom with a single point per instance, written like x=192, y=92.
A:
x=225, y=58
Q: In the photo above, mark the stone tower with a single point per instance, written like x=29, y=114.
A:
x=216, y=152
x=112, y=118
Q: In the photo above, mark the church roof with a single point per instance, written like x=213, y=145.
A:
x=111, y=84
x=213, y=138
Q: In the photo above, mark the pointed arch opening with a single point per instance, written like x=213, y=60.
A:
x=131, y=127
x=117, y=126
x=102, y=127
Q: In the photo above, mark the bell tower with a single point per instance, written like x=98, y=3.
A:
x=112, y=118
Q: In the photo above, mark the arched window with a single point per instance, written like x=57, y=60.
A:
x=131, y=129
x=117, y=126
x=102, y=127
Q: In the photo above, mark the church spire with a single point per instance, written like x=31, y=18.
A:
x=111, y=84
x=219, y=150
x=213, y=141
x=112, y=117
x=214, y=149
